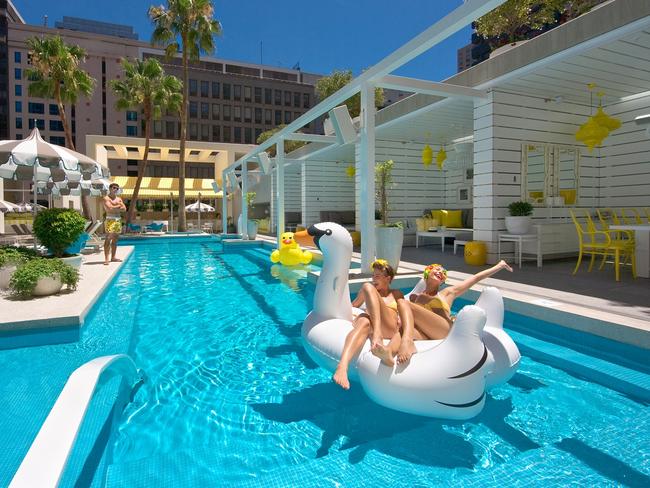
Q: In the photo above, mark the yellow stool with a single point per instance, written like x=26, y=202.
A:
x=299, y=228
x=475, y=253
x=356, y=237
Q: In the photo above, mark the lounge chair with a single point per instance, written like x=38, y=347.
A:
x=135, y=228
x=94, y=242
x=154, y=227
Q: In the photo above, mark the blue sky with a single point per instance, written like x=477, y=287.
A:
x=321, y=36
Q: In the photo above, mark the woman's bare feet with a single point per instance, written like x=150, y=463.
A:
x=377, y=339
x=405, y=351
x=383, y=353
x=340, y=377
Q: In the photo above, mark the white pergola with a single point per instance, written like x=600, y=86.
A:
x=378, y=75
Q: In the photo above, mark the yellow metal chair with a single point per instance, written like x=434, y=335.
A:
x=647, y=214
x=631, y=216
x=600, y=243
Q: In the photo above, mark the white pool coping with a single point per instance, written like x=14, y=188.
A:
x=67, y=308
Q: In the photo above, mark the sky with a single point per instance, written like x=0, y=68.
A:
x=320, y=36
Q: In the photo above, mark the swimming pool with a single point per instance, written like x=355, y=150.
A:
x=231, y=398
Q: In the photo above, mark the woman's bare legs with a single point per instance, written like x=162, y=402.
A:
x=431, y=325
x=406, y=347
x=354, y=341
x=382, y=318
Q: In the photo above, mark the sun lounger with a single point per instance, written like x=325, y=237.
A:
x=94, y=242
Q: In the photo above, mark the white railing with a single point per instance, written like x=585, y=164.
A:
x=48, y=455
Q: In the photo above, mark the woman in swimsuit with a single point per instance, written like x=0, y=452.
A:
x=431, y=309
x=379, y=322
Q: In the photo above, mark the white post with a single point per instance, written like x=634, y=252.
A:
x=224, y=204
x=199, y=218
x=171, y=213
x=244, y=202
x=34, y=209
x=367, y=175
x=279, y=187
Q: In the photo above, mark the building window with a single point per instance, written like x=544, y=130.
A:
x=258, y=115
x=226, y=134
x=305, y=100
x=170, y=129
x=56, y=126
x=247, y=93
x=36, y=108
x=226, y=112
x=258, y=94
x=132, y=130
x=278, y=97
x=296, y=99
x=226, y=91
x=267, y=96
x=216, y=111
x=205, y=89
x=19, y=123
x=17, y=57
x=287, y=98
x=247, y=114
x=18, y=73
x=157, y=128
x=216, y=133
x=19, y=137
x=194, y=131
x=18, y=90
x=132, y=115
x=287, y=117
x=40, y=123
x=193, y=87
x=19, y=106
x=205, y=132
x=237, y=134
x=205, y=110
x=216, y=89
x=194, y=110
x=278, y=117
x=58, y=140
x=258, y=132
x=54, y=109
x=248, y=135
x=296, y=115
x=268, y=116
x=236, y=92
x=236, y=116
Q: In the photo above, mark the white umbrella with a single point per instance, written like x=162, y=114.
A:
x=27, y=207
x=6, y=207
x=199, y=207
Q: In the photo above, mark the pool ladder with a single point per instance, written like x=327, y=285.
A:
x=48, y=455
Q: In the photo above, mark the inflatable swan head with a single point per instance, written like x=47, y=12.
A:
x=333, y=240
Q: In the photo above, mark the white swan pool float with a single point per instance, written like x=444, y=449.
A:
x=445, y=378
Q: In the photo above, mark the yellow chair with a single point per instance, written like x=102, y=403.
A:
x=536, y=196
x=631, y=216
x=569, y=196
x=647, y=213
x=600, y=243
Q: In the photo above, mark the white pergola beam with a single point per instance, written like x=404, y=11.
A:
x=430, y=87
x=438, y=32
x=299, y=136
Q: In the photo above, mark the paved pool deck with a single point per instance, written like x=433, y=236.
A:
x=68, y=308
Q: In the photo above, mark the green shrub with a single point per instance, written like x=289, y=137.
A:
x=57, y=228
x=26, y=277
x=16, y=255
x=520, y=209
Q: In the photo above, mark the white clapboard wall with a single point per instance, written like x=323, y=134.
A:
x=326, y=187
x=292, y=191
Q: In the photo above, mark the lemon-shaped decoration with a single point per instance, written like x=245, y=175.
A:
x=604, y=120
x=351, y=171
x=591, y=134
x=427, y=156
x=441, y=157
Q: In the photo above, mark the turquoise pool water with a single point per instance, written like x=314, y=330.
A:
x=231, y=399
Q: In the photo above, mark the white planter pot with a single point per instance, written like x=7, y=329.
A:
x=47, y=286
x=74, y=261
x=252, y=229
x=5, y=275
x=518, y=225
x=389, y=244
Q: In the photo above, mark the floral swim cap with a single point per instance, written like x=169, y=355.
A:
x=383, y=265
x=431, y=267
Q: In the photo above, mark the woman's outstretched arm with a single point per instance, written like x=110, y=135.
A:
x=458, y=290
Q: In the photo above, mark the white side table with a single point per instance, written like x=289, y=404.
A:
x=519, y=241
x=439, y=234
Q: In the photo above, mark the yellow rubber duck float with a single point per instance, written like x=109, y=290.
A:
x=289, y=253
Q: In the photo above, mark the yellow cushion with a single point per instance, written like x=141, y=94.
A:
x=452, y=218
x=569, y=196
x=437, y=215
x=421, y=224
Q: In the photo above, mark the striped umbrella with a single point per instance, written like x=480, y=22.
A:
x=6, y=207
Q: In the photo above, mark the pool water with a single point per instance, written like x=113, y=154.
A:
x=231, y=398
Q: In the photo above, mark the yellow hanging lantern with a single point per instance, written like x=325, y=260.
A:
x=351, y=171
x=592, y=134
x=441, y=157
x=427, y=156
x=604, y=120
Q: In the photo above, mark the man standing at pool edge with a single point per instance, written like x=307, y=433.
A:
x=113, y=205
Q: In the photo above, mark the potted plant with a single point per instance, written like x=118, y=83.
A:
x=61, y=230
x=390, y=236
x=10, y=259
x=41, y=277
x=251, y=225
x=519, y=221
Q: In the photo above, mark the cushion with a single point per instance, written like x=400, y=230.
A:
x=453, y=218
x=437, y=215
x=421, y=224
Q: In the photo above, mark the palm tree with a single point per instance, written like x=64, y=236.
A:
x=56, y=74
x=149, y=90
x=188, y=26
